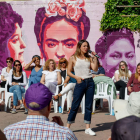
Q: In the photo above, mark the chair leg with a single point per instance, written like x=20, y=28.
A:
x=83, y=105
x=63, y=102
x=101, y=103
x=9, y=102
x=6, y=102
x=94, y=102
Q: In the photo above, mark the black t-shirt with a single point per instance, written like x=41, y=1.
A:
x=63, y=73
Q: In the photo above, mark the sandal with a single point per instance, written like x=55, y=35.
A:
x=55, y=98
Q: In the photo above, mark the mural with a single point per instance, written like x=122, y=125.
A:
x=52, y=28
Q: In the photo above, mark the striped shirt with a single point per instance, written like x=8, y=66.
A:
x=38, y=128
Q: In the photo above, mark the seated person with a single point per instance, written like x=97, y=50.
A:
x=121, y=78
x=36, y=71
x=5, y=71
x=69, y=85
x=51, y=76
x=37, y=125
x=135, y=81
x=100, y=72
x=17, y=80
x=62, y=65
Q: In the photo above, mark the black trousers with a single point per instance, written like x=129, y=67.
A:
x=2, y=84
x=121, y=85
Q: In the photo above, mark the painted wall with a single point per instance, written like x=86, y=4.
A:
x=52, y=28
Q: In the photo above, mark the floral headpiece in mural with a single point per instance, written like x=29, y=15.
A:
x=71, y=8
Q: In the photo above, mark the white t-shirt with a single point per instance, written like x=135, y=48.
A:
x=123, y=78
x=5, y=73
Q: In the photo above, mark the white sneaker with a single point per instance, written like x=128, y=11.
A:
x=90, y=132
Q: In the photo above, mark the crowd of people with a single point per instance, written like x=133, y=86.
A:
x=76, y=78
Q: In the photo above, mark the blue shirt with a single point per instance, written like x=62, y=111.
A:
x=100, y=71
x=72, y=80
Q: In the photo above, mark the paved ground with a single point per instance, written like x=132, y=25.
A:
x=101, y=122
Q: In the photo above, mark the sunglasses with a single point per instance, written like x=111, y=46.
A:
x=18, y=65
x=122, y=65
x=62, y=62
x=8, y=61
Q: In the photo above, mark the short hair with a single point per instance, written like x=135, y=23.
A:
x=108, y=38
x=48, y=62
x=41, y=21
x=10, y=58
x=62, y=60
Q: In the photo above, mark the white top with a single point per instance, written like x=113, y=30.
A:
x=82, y=68
x=5, y=73
x=51, y=76
x=123, y=78
x=24, y=78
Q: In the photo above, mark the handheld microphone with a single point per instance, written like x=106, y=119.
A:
x=95, y=54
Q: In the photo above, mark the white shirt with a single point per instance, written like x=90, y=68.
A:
x=24, y=78
x=5, y=73
x=123, y=78
x=50, y=76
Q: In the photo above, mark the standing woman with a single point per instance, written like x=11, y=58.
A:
x=5, y=71
x=36, y=73
x=121, y=78
x=17, y=81
x=82, y=63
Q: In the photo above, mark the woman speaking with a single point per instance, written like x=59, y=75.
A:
x=82, y=63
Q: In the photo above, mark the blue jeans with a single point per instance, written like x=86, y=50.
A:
x=86, y=87
x=17, y=91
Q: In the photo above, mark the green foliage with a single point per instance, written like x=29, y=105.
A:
x=112, y=19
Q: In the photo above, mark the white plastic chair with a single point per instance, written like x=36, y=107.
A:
x=56, y=93
x=126, y=94
x=2, y=90
x=102, y=94
x=8, y=96
x=117, y=92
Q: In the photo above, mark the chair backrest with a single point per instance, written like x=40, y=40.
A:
x=102, y=89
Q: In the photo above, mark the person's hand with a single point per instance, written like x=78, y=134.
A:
x=93, y=75
x=58, y=120
x=130, y=89
x=34, y=59
x=65, y=84
x=13, y=83
x=79, y=79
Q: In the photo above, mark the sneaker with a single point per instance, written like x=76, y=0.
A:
x=26, y=112
x=21, y=106
x=90, y=132
x=13, y=111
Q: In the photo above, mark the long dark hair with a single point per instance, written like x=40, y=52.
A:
x=14, y=69
x=78, y=51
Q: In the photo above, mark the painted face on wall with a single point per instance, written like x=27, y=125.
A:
x=60, y=40
x=120, y=50
x=16, y=45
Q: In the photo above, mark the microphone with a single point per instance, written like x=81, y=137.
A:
x=93, y=54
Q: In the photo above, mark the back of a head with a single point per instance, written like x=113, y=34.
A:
x=126, y=129
x=37, y=97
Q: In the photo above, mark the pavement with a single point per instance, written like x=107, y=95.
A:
x=101, y=122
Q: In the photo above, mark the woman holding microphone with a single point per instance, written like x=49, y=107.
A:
x=82, y=62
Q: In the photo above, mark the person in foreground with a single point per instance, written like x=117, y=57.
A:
x=82, y=63
x=37, y=125
x=127, y=114
x=126, y=129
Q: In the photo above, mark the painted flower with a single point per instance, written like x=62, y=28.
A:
x=73, y=12
x=73, y=8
